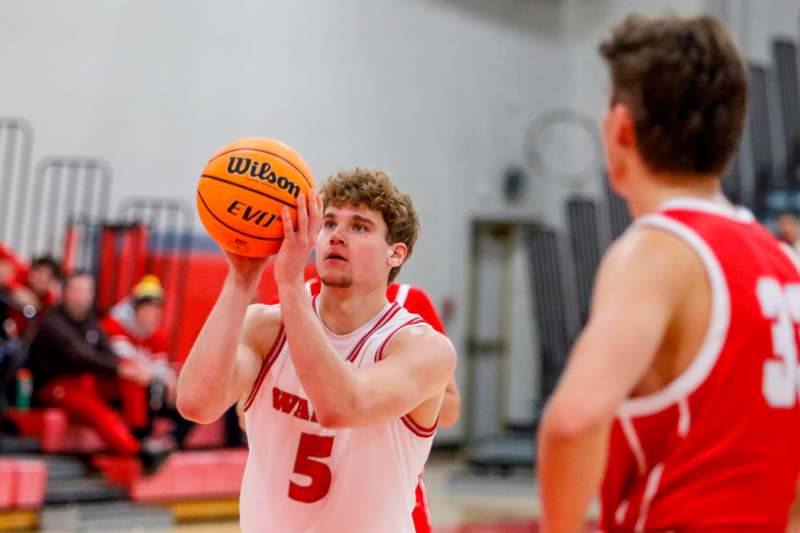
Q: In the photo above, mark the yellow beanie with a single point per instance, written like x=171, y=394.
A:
x=148, y=288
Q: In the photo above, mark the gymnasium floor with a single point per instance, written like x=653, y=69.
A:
x=460, y=503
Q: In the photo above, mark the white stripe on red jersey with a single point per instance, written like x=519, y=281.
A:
x=718, y=449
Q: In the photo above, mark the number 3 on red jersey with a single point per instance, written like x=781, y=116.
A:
x=311, y=448
x=782, y=305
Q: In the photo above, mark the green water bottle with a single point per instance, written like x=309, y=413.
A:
x=24, y=389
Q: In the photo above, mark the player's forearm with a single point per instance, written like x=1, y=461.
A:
x=208, y=373
x=570, y=468
x=325, y=377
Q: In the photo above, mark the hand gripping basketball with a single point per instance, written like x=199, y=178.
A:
x=243, y=189
x=298, y=243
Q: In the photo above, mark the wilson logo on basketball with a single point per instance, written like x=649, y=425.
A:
x=251, y=214
x=245, y=166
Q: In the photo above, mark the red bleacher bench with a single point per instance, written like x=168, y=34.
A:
x=54, y=431
x=183, y=476
x=22, y=483
x=58, y=434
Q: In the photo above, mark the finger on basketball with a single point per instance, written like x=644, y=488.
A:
x=288, y=227
x=314, y=212
x=302, y=215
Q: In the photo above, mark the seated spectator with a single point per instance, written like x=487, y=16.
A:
x=8, y=272
x=75, y=369
x=10, y=343
x=37, y=287
x=135, y=329
x=789, y=230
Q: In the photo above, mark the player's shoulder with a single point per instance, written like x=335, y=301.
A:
x=421, y=339
x=262, y=324
x=650, y=249
x=263, y=314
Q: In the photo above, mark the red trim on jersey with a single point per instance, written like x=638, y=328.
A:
x=422, y=522
x=413, y=322
x=269, y=360
x=393, y=310
x=418, y=429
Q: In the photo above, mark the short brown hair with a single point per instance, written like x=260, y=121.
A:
x=373, y=189
x=685, y=84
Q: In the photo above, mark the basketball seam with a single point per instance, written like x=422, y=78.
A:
x=232, y=228
x=264, y=152
x=239, y=185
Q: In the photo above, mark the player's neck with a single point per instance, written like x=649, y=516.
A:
x=650, y=192
x=345, y=310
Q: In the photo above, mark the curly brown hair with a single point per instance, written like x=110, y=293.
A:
x=685, y=84
x=373, y=189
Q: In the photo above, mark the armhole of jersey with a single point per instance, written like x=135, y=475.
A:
x=418, y=429
x=716, y=334
x=266, y=364
x=416, y=321
x=415, y=427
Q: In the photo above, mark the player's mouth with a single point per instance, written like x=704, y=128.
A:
x=335, y=257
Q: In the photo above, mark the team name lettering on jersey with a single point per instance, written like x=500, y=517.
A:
x=291, y=404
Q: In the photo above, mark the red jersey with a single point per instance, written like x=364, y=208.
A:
x=718, y=449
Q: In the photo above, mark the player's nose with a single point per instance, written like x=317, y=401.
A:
x=336, y=238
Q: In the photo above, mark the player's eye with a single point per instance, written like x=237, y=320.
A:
x=359, y=228
x=329, y=224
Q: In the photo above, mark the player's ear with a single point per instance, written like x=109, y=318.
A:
x=397, y=254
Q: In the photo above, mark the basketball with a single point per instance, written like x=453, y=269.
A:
x=243, y=189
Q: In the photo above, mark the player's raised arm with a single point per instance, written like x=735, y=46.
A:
x=640, y=285
x=226, y=356
x=416, y=367
x=418, y=362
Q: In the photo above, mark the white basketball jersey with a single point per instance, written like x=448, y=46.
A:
x=301, y=477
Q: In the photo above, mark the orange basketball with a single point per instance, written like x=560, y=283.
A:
x=243, y=189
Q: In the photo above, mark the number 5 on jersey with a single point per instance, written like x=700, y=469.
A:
x=311, y=448
x=782, y=305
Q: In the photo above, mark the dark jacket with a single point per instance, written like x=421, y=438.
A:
x=63, y=346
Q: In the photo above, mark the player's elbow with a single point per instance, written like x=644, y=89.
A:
x=332, y=418
x=564, y=420
x=194, y=410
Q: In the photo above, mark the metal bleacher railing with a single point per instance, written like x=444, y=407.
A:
x=16, y=144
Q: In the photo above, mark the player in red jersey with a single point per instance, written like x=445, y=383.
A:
x=416, y=301
x=683, y=387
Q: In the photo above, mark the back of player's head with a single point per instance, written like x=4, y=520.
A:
x=684, y=84
x=373, y=189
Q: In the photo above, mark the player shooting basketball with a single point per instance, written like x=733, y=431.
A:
x=343, y=390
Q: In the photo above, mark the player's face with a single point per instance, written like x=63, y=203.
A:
x=788, y=230
x=149, y=315
x=40, y=279
x=352, y=248
x=78, y=296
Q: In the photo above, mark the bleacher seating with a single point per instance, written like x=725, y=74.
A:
x=208, y=474
x=58, y=435
x=22, y=483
